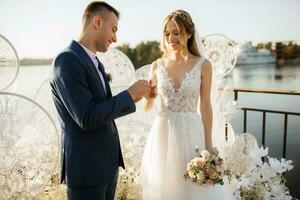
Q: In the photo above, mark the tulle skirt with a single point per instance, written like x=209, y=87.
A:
x=170, y=146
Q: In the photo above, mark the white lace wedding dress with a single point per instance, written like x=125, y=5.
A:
x=170, y=145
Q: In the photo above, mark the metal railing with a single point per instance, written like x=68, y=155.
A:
x=265, y=111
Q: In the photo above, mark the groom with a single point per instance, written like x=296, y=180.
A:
x=90, y=149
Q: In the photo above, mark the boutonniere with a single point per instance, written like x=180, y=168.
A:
x=109, y=77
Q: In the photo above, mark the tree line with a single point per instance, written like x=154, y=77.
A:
x=142, y=54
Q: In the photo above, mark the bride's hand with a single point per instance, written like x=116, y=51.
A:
x=213, y=150
x=153, y=92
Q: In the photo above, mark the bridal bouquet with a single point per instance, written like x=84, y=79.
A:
x=205, y=169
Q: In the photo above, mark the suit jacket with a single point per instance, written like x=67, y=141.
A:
x=90, y=147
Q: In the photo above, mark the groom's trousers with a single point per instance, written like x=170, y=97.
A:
x=101, y=192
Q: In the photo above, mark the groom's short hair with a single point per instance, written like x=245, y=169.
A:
x=96, y=8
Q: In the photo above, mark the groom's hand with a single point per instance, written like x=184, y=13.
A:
x=139, y=89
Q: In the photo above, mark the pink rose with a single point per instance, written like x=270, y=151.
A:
x=213, y=174
x=209, y=182
x=200, y=162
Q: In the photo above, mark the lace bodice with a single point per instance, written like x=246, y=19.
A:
x=183, y=99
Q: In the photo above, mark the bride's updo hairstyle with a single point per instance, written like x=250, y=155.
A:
x=184, y=22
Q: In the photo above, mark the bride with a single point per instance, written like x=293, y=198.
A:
x=181, y=79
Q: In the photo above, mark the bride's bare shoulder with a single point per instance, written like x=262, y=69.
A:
x=206, y=64
x=206, y=67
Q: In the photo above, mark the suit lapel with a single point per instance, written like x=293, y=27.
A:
x=108, y=90
x=82, y=53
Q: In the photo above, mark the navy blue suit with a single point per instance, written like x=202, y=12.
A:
x=90, y=148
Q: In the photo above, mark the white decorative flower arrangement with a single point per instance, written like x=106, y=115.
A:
x=251, y=178
x=129, y=187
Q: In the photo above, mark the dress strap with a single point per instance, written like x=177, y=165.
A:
x=201, y=61
x=159, y=63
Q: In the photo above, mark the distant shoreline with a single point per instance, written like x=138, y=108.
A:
x=34, y=61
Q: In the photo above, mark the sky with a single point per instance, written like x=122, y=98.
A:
x=41, y=29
